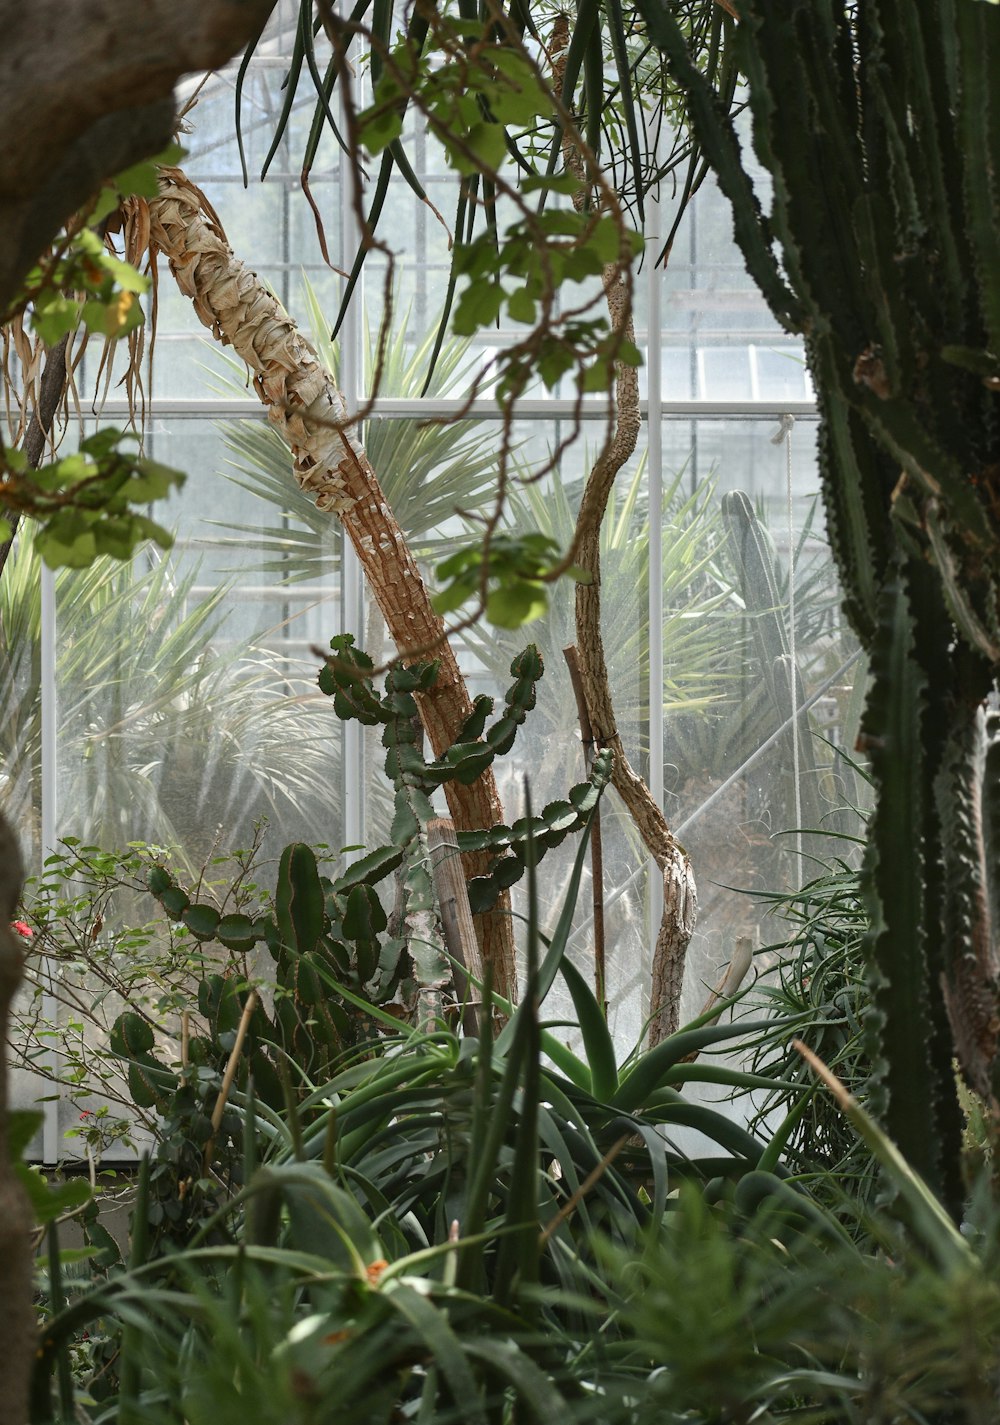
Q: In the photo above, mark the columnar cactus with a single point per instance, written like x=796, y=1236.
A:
x=879, y=126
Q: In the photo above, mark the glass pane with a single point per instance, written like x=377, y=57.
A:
x=187, y=701
x=732, y=793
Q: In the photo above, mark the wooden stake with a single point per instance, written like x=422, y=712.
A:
x=596, y=840
x=456, y=918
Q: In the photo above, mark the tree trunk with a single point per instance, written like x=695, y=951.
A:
x=329, y=462
x=680, y=901
x=86, y=90
x=17, y=1315
x=679, y=898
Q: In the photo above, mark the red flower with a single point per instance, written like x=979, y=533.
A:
x=23, y=929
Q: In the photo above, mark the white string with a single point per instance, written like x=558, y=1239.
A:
x=784, y=435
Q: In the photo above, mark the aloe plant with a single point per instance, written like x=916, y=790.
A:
x=880, y=246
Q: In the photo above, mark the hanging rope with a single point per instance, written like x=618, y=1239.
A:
x=783, y=435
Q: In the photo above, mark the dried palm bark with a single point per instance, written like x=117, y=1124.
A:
x=329, y=462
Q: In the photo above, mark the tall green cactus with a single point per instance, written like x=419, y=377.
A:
x=879, y=125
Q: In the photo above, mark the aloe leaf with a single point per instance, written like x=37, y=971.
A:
x=598, y=1045
x=648, y=1074
x=714, y=1124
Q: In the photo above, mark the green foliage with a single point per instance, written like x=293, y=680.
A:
x=461, y=1229
x=317, y=926
x=512, y=570
x=79, y=280
x=345, y=679
x=819, y=986
x=476, y=83
x=472, y=82
x=48, y=1200
x=110, y=306
x=540, y=254
x=753, y=1312
x=468, y=99
x=83, y=502
x=336, y=1267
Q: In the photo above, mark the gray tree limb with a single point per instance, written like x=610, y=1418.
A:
x=86, y=89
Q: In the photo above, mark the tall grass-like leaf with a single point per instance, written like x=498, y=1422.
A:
x=549, y=967
x=444, y=1346
x=598, y=1046
x=929, y=1220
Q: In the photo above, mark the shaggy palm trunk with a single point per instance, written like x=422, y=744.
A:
x=330, y=463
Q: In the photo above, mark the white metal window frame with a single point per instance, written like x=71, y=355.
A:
x=657, y=408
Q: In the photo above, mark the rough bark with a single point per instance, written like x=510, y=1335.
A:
x=86, y=90
x=329, y=462
x=17, y=1314
x=680, y=902
x=679, y=897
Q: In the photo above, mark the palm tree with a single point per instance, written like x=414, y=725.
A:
x=167, y=731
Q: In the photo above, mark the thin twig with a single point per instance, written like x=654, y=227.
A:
x=592, y=1177
x=229, y=1075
